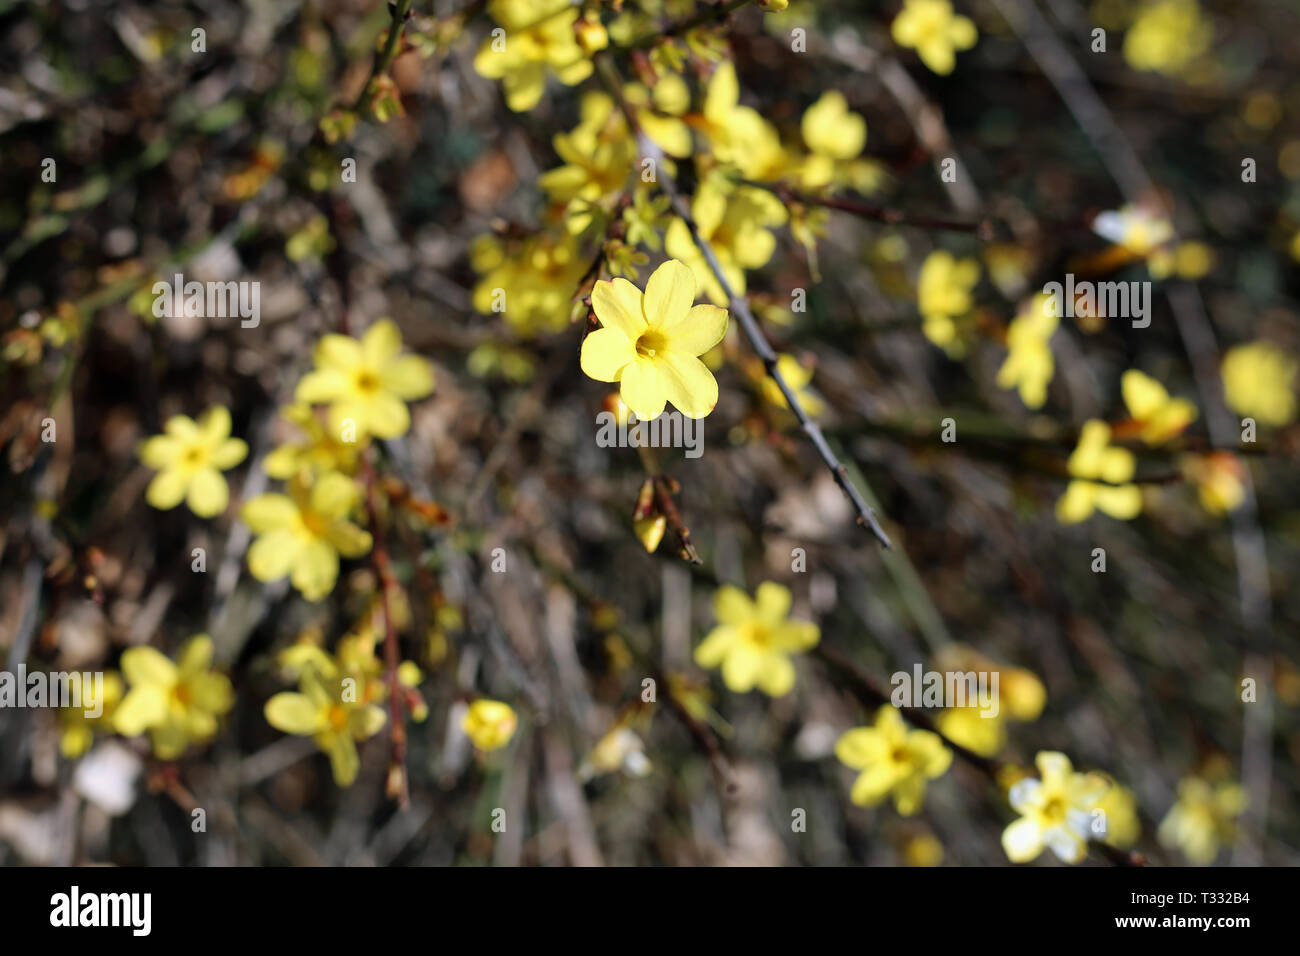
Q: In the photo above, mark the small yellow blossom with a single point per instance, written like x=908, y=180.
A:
x=489, y=724
x=736, y=223
x=649, y=343
x=1220, y=479
x=1055, y=811
x=621, y=749
x=318, y=452
x=739, y=135
x=1118, y=816
x=302, y=534
x=835, y=136
x=77, y=730
x=924, y=849
x=797, y=375
x=535, y=35
x=530, y=282
x=934, y=31
x=366, y=383
x=1101, y=474
x=178, y=703
x=1029, y=365
x=1203, y=818
x=893, y=760
x=943, y=293
x=1259, y=381
x=190, y=457
x=754, y=639
x=1167, y=36
x=1160, y=417
x=328, y=710
x=1139, y=230
x=972, y=728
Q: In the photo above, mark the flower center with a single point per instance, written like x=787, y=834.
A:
x=650, y=342
x=1054, y=810
x=194, y=456
x=367, y=382
x=181, y=694
x=338, y=718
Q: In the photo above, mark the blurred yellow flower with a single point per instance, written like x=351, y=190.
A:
x=893, y=760
x=302, y=534
x=328, y=709
x=318, y=452
x=736, y=223
x=77, y=731
x=934, y=31
x=1219, y=478
x=489, y=724
x=1259, y=381
x=178, y=703
x=1119, y=818
x=367, y=383
x=1203, y=818
x=1159, y=416
x=754, y=639
x=797, y=375
x=189, y=457
x=1055, y=811
x=943, y=292
x=1139, y=230
x=1167, y=36
x=1029, y=365
x=534, y=35
x=1101, y=473
x=649, y=343
x=738, y=134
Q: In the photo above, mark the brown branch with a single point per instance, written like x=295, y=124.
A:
x=983, y=229
x=716, y=12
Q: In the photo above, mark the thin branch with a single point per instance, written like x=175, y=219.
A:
x=982, y=229
x=865, y=515
x=401, y=11
x=709, y=14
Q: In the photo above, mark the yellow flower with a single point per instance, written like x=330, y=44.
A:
x=190, y=457
x=943, y=293
x=1118, y=807
x=1167, y=36
x=318, y=452
x=934, y=31
x=78, y=730
x=1203, y=818
x=539, y=34
x=649, y=343
x=1029, y=365
x=754, y=639
x=1023, y=694
x=1160, y=417
x=1101, y=474
x=835, y=135
x=177, y=703
x=738, y=134
x=1055, y=811
x=1259, y=382
x=489, y=724
x=1137, y=229
x=797, y=376
x=735, y=224
x=366, y=383
x=328, y=710
x=302, y=534
x=531, y=283
x=969, y=727
x=893, y=759
x=619, y=750
x=1220, y=480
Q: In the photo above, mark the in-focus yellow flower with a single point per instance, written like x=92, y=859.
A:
x=190, y=457
x=538, y=34
x=1029, y=365
x=736, y=223
x=366, y=383
x=1118, y=807
x=934, y=31
x=328, y=710
x=754, y=639
x=1160, y=417
x=649, y=343
x=316, y=453
x=1220, y=480
x=1259, y=381
x=943, y=292
x=489, y=724
x=77, y=731
x=1100, y=473
x=1055, y=811
x=1167, y=36
x=178, y=703
x=893, y=760
x=1203, y=819
x=302, y=534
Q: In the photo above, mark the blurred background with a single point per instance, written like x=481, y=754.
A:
x=216, y=163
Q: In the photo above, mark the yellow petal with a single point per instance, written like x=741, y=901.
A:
x=873, y=784
x=269, y=513
x=699, y=330
x=214, y=425
x=409, y=377
x=229, y=453
x=776, y=675
x=711, y=651
x=381, y=343
x=337, y=352
x=1022, y=841
x=294, y=714
x=605, y=352
x=669, y=295
x=334, y=495
x=740, y=669
x=772, y=601
x=196, y=655
x=208, y=493
x=617, y=304
x=272, y=555
x=323, y=385
x=732, y=606
x=147, y=666
x=143, y=707
x=643, y=388
x=315, y=570
x=688, y=383
x=344, y=760
x=167, y=489
x=160, y=451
